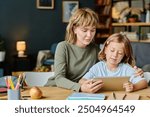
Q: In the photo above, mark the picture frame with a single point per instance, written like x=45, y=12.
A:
x=68, y=7
x=45, y=4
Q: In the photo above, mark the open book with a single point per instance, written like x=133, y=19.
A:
x=86, y=96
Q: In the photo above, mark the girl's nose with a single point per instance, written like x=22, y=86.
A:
x=115, y=54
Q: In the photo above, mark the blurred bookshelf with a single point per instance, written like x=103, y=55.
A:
x=103, y=8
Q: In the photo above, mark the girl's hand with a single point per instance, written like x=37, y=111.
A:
x=129, y=87
x=91, y=86
x=138, y=71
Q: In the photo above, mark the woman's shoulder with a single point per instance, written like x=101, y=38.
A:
x=63, y=44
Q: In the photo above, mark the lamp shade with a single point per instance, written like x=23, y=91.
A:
x=21, y=46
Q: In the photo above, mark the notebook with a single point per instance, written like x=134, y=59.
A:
x=3, y=90
x=85, y=96
x=113, y=83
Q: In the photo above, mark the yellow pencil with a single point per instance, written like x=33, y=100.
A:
x=11, y=83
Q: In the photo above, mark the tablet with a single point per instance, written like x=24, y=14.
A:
x=113, y=83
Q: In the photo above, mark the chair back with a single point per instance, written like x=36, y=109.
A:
x=53, y=48
x=37, y=78
x=147, y=77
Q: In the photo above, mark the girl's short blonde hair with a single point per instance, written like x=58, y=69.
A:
x=81, y=17
x=119, y=38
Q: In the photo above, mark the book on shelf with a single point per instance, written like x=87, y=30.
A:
x=85, y=96
x=132, y=35
x=103, y=2
x=100, y=35
x=106, y=10
x=108, y=22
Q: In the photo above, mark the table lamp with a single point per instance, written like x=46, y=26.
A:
x=21, y=47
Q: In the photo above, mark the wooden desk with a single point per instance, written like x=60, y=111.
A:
x=51, y=93
x=55, y=93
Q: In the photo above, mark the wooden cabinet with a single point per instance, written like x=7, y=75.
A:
x=22, y=63
x=103, y=8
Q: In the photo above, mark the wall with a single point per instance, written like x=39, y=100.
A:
x=21, y=20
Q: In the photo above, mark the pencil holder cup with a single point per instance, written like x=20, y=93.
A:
x=22, y=86
x=13, y=94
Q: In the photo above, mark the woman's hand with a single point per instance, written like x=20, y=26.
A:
x=91, y=86
x=129, y=87
x=138, y=71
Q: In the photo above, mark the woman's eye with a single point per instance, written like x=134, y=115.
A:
x=93, y=30
x=84, y=30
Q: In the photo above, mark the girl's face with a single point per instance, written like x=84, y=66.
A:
x=114, y=53
x=84, y=35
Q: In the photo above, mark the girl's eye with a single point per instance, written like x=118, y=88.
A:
x=120, y=53
x=112, y=50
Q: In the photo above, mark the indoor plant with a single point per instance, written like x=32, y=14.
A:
x=132, y=18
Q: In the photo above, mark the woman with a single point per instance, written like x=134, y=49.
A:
x=77, y=53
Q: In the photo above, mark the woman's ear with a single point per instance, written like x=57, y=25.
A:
x=75, y=29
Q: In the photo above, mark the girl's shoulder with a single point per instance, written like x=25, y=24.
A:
x=100, y=63
x=126, y=66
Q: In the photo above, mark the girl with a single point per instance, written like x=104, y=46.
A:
x=117, y=60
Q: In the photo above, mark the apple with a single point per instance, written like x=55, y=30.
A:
x=35, y=93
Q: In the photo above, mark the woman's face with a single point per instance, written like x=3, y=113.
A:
x=84, y=35
x=114, y=53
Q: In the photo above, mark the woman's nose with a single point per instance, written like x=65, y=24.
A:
x=89, y=33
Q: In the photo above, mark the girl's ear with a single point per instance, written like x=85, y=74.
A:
x=105, y=50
